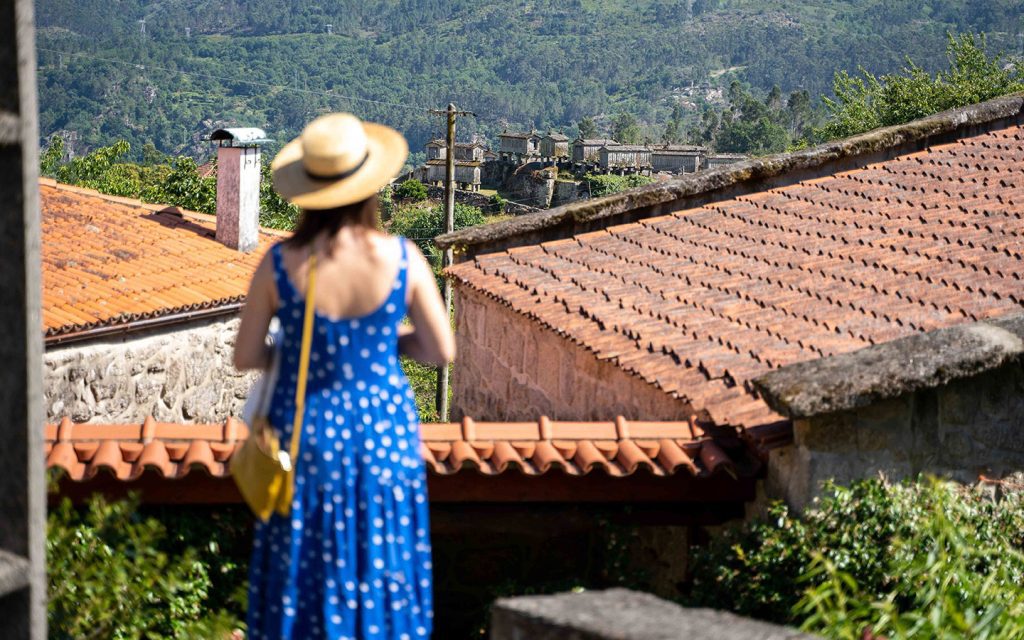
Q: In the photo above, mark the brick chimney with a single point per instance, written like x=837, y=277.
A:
x=238, y=186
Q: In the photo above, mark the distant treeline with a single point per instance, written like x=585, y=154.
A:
x=518, y=64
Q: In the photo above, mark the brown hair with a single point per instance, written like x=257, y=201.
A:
x=312, y=223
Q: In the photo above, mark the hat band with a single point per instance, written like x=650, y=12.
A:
x=340, y=176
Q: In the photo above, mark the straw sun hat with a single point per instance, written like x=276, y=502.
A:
x=338, y=160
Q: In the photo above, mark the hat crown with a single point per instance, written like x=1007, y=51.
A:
x=333, y=145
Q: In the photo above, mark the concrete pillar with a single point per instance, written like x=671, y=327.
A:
x=22, y=483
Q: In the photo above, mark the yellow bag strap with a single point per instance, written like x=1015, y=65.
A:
x=307, y=339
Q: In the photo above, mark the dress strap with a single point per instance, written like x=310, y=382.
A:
x=284, y=289
x=403, y=270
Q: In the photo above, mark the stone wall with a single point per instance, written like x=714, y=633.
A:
x=948, y=402
x=511, y=368
x=480, y=200
x=178, y=374
x=620, y=614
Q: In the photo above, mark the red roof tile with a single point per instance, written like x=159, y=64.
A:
x=734, y=289
x=108, y=261
x=617, y=448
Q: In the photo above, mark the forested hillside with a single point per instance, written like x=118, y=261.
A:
x=517, y=63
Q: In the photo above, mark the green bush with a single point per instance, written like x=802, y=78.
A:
x=497, y=204
x=423, y=224
x=411, y=191
x=110, y=576
x=601, y=184
x=867, y=102
x=924, y=560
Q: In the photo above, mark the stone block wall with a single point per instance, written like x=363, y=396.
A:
x=511, y=368
x=481, y=201
x=178, y=374
x=948, y=403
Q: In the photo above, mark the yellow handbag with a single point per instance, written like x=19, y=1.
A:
x=265, y=474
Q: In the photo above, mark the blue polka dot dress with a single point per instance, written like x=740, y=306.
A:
x=352, y=561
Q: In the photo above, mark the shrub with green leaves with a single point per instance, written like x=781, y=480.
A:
x=111, y=577
x=867, y=102
x=170, y=181
x=916, y=560
x=607, y=184
x=411, y=190
x=422, y=224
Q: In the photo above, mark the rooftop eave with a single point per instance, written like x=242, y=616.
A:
x=732, y=177
x=881, y=372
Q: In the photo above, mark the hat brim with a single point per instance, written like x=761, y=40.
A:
x=387, y=151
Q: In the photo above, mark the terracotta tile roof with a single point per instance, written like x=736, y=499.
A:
x=701, y=301
x=617, y=448
x=108, y=261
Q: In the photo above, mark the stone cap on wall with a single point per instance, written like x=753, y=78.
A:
x=621, y=614
x=728, y=181
x=884, y=371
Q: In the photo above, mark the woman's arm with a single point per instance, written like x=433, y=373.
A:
x=430, y=338
x=251, y=349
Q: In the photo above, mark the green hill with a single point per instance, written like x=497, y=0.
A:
x=539, y=63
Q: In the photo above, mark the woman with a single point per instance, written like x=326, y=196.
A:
x=352, y=560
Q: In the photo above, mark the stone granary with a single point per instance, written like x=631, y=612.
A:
x=677, y=158
x=436, y=150
x=677, y=299
x=554, y=146
x=467, y=173
x=588, y=151
x=722, y=159
x=518, y=147
x=624, y=157
x=469, y=151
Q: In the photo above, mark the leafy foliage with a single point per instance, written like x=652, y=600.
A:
x=411, y=190
x=424, y=223
x=867, y=102
x=627, y=129
x=423, y=380
x=545, y=64
x=111, y=577
x=926, y=558
x=174, y=181
x=756, y=126
x=606, y=184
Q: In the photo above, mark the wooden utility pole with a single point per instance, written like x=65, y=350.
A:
x=447, y=257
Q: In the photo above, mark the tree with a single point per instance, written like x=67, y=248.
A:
x=867, y=102
x=587, y=128
x=674, y=129
x=626, y=129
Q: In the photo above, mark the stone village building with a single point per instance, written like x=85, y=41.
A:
x=518, y=147
x=588, y=151
x=677, y=158
x=554, y=146
x=845, y=311
x=619, y=157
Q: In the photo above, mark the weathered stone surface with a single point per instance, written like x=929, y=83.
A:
x=14, y=573
x=731, y=180
x=880, y=372
x=620, y=614
x=963, y=429
x=511, y=369
x=183, y=374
